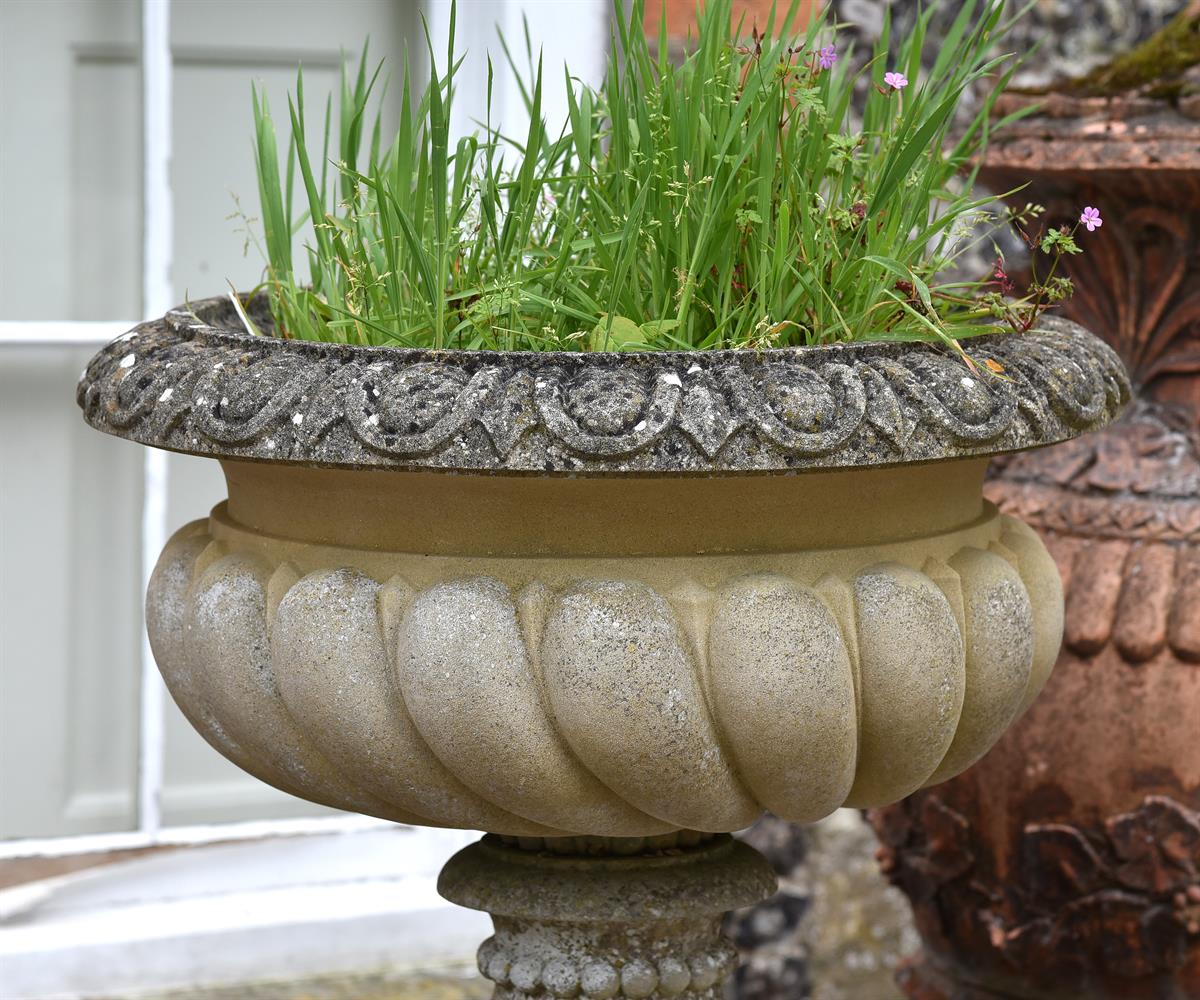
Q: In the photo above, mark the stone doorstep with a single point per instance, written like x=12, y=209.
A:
x=290, y=908
x=451, y=984
x=18, y=871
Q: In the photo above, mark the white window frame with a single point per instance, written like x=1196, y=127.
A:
x=157, y=238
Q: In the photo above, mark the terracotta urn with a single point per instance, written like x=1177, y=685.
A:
x=1066, y=863
x=605, y=607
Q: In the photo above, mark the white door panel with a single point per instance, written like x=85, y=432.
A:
x=59, y=148
x=218, y=49
x=70, y=569
x=71, y=211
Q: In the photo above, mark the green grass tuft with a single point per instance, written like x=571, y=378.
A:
x=737, y=199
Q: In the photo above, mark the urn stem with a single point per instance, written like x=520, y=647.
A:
x=600, y=918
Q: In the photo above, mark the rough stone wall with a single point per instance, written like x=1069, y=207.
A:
x=1075, y=35
x=836, y=928
x=1072, y=37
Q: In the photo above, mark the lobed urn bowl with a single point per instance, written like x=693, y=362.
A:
x=606, y=607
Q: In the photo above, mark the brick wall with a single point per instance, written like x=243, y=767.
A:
x=681, y=14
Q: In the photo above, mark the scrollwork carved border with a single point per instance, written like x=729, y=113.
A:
x=192, y=383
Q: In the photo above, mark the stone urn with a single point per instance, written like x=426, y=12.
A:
x=607, y=608
x=1067, y=863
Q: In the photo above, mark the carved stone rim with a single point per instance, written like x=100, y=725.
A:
x=195, y=382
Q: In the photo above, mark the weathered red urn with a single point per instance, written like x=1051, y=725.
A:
x=1066, y=863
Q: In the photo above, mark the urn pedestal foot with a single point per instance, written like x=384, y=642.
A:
x=607, y=917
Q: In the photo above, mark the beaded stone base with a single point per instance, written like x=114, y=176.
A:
x=602, y=918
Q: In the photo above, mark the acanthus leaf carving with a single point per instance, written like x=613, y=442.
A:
x=884, y=411
x=509, y=412
x=1121, y=895
x=1158, y=846
x=705, y=414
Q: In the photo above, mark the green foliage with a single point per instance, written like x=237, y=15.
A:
x=1061, y=241
x=736, y=199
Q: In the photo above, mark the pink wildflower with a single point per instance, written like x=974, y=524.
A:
x=827, y=57
x=1091, y=219
x=897, y=81
x=1000, y=277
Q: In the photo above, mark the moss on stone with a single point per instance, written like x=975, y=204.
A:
x=1156, y=67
